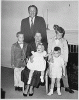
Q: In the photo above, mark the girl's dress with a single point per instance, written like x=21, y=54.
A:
x=55, y=68
x=39, y=63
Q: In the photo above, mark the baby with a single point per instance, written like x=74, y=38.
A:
x=38, y=63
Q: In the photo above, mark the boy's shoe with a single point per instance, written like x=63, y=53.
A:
x=20, y=88
x=16, y=88
x=51, y=92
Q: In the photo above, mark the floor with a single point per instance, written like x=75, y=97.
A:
x=39, y=93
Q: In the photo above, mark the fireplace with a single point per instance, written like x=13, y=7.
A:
x=72, y=67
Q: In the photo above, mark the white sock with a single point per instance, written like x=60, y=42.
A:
x=42, y=78
x=51, y=92
x=29, y=80
x=58, y=91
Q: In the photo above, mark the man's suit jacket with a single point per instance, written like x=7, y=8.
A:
x=18, y=55
x=39, y=25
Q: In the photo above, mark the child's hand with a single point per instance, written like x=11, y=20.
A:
x=51, y=60
x=65, y=64
x=31, y=59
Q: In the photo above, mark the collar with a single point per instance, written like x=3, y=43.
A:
x=31, y=18
x=20, y=42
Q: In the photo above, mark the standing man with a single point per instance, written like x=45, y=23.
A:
x=33, y=24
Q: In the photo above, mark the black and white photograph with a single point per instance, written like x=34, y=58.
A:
x=39, y=49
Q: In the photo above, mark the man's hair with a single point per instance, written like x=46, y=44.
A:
x=18, y=33
x=57, y=49
x=59, y=29
x=34, y=7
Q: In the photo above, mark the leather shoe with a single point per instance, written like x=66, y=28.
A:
x=16, y=88
x=69, y=90
x=19, y=88
x=30, y=94
x=24, y=94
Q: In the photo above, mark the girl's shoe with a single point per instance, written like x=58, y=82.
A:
x=58, y=91
x=51, y=92
x=24, y=94
x=16, y=88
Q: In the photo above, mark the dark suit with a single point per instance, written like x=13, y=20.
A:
x=39, y=25
x=18, y=55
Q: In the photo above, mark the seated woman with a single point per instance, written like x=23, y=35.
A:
x=36, y=74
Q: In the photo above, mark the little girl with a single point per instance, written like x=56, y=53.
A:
x=38, y=63
x=56, y=65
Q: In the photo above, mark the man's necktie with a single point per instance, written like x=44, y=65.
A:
x=31, y=25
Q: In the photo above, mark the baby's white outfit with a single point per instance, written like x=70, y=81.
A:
x=39, y=63
x=56, y=67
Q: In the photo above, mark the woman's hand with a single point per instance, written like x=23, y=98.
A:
x=64, y=73
x=31, y=59
x=65, y=64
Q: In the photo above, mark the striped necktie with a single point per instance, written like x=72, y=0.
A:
x=32, y=25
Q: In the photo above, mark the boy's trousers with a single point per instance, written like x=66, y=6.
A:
x=17, y=77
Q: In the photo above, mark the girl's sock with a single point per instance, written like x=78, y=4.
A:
x=58, y=91
x=51, y=92
x=42, y=78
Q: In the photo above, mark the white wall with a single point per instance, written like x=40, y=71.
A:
x=12, y=12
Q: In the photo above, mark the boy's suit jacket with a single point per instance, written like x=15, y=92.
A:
x=39, y=25
x=18, y=55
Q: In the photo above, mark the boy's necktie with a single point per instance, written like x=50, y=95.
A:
x=31, y=25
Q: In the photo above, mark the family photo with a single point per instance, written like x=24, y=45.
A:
x=39, y=49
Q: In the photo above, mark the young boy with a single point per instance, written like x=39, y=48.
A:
x=18, y=58
x=55, y=69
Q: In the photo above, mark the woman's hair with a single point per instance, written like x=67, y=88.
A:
x=34, y=7
x=59, y=29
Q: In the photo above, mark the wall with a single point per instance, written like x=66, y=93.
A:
x=12, y=12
